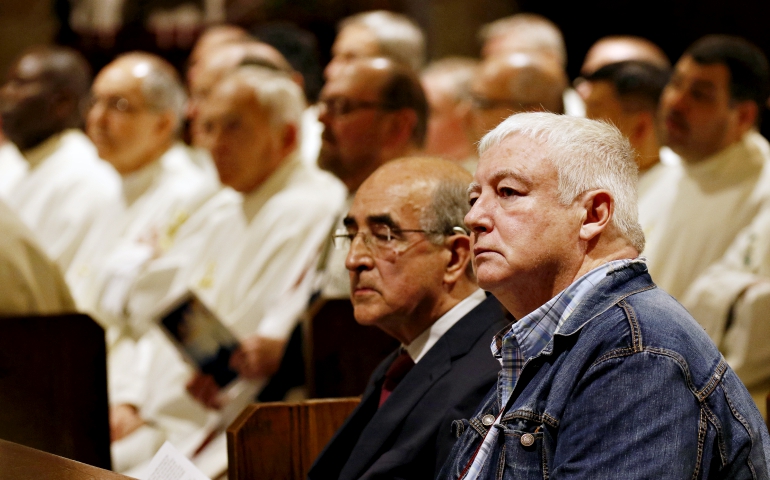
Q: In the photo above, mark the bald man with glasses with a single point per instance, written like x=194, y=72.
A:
x=408, y=259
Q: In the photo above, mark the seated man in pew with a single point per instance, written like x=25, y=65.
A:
x=410, y=276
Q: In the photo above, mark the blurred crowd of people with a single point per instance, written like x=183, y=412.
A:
x=120, y=194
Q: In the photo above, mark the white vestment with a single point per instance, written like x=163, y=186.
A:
x=241, y=254
x=694, y=211
x=13, y=167
x=731, y=300
x=66, y=189
x=30, y=283
x=155, y=201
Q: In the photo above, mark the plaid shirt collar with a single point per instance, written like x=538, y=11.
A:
x=527, y=337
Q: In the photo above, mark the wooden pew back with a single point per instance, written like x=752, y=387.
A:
x=281, y=440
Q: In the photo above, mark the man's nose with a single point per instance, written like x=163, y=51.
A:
x=477, y=218
x=359, y=255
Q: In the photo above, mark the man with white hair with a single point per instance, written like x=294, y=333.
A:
x=530, y=33
x=601, y=366
x=240, y=252
x=138, y=104
x=377, y=34
x=66, y=186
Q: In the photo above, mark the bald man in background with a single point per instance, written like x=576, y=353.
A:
x=514, y=83
x=530, y=33
x=137, y=113
x=67, y=186
x=447, y=88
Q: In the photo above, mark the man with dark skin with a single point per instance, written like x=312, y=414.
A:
x=67, y=185
x=43, y=95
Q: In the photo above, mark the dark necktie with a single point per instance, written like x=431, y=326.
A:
x=397, y=370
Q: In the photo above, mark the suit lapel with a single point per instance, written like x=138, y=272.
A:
x=434, y=365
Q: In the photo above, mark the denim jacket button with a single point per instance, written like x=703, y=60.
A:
x=488, y=420
x=527, y=439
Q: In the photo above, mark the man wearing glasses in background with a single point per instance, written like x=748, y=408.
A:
x=408, y=261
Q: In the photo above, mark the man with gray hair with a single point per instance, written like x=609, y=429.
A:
x=377, y=34
x=408, y=261
x=239, y=253
x=601, y=366
x=138, y=104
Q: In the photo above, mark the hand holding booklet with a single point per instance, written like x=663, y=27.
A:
x=204, y=341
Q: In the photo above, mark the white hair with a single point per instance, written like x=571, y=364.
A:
x=587, y=155
x=398, y=36
x=276, y=92
x=535, y=32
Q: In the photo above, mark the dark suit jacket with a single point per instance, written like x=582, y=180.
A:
x=410, y=436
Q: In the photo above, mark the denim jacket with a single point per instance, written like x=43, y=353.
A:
x=630, y=387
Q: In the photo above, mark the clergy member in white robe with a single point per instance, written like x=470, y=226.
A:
x=248, y=244
x=708, y=114
x=731, y=300
x=30, y=283
x=66, y=187
x=138, y=107
x=13, y=167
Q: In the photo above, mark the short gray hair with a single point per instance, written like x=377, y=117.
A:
x=398, y=36
x=587, y=155
x=447, y=210
x=536, y=31
x=276, y=92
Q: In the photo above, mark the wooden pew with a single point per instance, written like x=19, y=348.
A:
x=18, y=462
x=281, y=440
x=53, y=386
x=341, y=354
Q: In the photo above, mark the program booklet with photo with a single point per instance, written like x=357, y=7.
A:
x=202, y=338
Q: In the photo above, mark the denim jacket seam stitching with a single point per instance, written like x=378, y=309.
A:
x=713, y=382
x=743, y=422
x=720, y=435
x=532, y=416
x=636, y=331
x=702, y=421
x=618, y=300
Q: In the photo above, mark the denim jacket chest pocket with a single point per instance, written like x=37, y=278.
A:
x=525, y=446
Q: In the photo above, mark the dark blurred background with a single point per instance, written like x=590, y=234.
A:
x=451, y=25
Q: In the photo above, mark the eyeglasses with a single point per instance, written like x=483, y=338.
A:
x=112, y=103
x=381, y=240
x=338, y=106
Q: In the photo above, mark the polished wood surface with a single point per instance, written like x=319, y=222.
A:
x=341, y=354
x=53, y=386
x=281, y=440
x=18, y=462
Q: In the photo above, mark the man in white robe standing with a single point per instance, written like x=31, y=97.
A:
x=241, y=250
x=67, y=187
x=708, y=112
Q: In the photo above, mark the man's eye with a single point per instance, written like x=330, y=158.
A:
x=472, y=200
x=506, y=192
